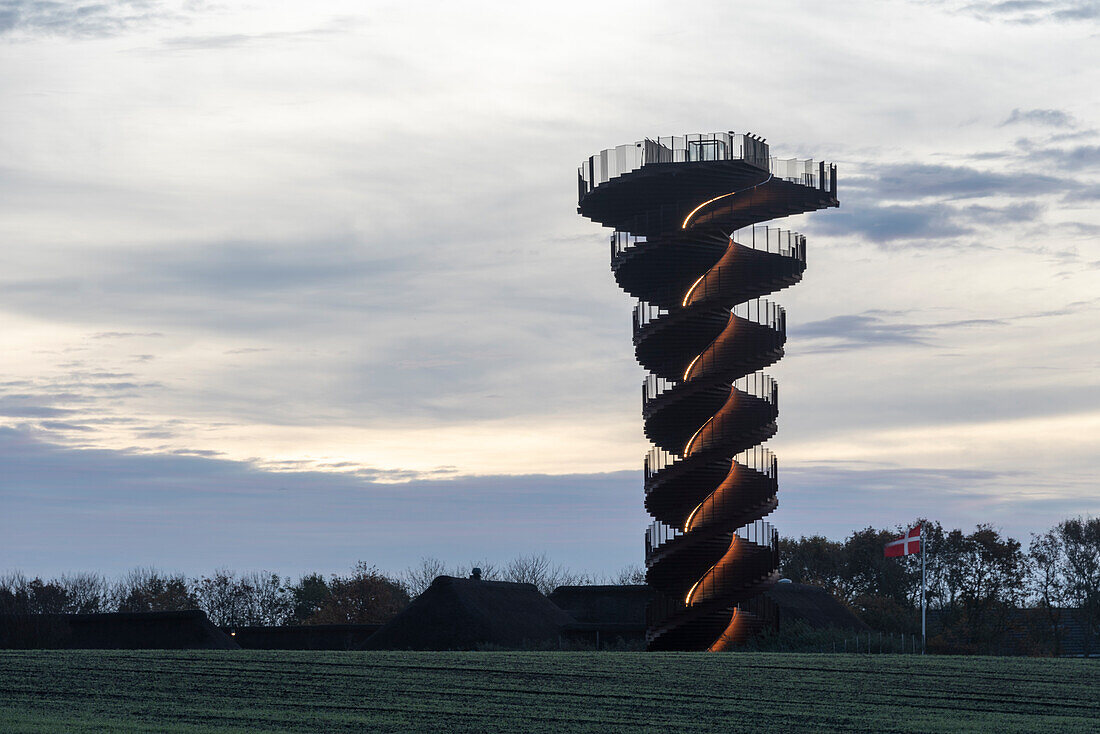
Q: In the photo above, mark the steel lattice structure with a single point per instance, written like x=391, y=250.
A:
x=686, y=244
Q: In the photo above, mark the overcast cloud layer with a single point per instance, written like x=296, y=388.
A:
x=308, y=272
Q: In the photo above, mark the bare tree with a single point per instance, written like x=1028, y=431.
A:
x=540, y=571
x=86, y=593
x=224, y=597
x=419, y=577
x=268, y=601
x=634, y=574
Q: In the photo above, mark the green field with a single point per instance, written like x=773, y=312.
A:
x=190, y=691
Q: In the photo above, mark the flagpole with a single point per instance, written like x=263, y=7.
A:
x=923, y=595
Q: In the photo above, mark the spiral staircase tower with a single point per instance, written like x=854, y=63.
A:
x=687, y=245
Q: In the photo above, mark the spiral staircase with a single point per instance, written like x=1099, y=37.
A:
x=687, y=244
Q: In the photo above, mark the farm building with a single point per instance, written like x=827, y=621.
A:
x=464, y=614
x=813, y=605
x=187, y=630
x=603, y=614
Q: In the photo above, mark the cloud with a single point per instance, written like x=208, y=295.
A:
x=917, y=180
x=78, y=19
x=62, y=426
x=1030, y=12
x=1051, y=118
x=835, y=498
x=116, y=509
x=236, y=40
x=1078, y=158
x=126, y=335
x=30, y=411
x=869, y=329
x=887, y=224
x=194, y=512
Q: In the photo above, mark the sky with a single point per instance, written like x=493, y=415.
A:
x=286, y=286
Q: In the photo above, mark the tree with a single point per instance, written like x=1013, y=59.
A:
x=1047, y=585
x=365, y=597
x=224, y=598
x=1081, y=541
x=984, y=581
x=418, y=578
x=20, y=596
x=147, y=590
x=815, y=560
x=86, y=593
x=269, y=602
x=629, y=575
x=540, y=571
x=868, y=572
x=308, y=596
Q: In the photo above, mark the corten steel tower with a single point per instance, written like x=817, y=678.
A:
x=686, y=245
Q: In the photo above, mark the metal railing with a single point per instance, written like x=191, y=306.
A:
x=657, y=534
x=757, y=458
x=611, y=163
x=721, y=146
x=758, y=532
x=759, y=385
x=764, y=312
x=757, y=310
x=657, y=459
x=653, y=386
x=646, y=313
x=772, y=240
x=756, y=384
x=623, y=241
x=761, y=533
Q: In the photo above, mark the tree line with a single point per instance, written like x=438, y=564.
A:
x=985, y=590
x=987, y=593
x=263, y=598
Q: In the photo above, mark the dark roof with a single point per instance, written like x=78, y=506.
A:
x=461, y=614
x=614, y=605
x=114, y=631
x=813, y=605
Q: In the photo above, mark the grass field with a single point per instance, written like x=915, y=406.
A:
x=250, y=690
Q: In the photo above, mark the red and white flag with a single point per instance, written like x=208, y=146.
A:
x=905, y=545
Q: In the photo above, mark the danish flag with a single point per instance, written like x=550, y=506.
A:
x=905, y=545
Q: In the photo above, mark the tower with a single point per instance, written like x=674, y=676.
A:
x=687, y=244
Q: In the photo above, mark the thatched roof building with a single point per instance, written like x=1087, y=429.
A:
x=813, y=605
x=463, y=614
x=188, y=630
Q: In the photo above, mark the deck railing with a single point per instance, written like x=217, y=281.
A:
x=757, y=385
x=757, y=458
x=759, y=533
x=611, y=163
x=722, y=146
